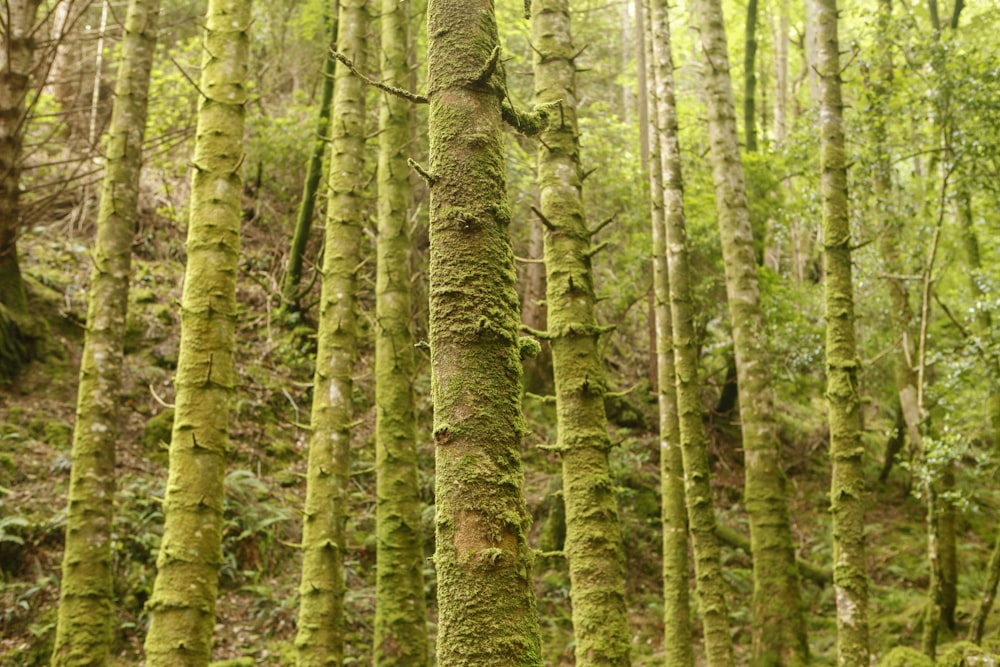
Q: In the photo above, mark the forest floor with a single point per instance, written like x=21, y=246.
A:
x=265, y=485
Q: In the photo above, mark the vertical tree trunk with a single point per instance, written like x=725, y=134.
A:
x=593, y=545
x=486, y=603
x=847, y=494
x=16, y=55
x=86, y=606
x=711, y=587
x=304, y=217
x=321, y=632
x=400, y=610
x=750, y=78
x=182, y=605
x=779, y=635
x=781, y=75
x=677, y=640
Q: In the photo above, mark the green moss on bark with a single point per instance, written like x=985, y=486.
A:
x=85, y=622
x=400, y=610
x=778, y=625
x=321, y=631
x=182, y=605
x=486, y=603
x=677, y=640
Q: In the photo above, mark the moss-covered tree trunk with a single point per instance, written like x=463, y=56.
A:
x=182, y=606
x=400, y=610
x=304, y=217
x=487, y=614
x=86, y=606
x=678, y=645
x=593, y=545
x=847, y=494
x=711, y=587
x=750, y=77
x=779, y=634
x=321, y=631
x=17, y=45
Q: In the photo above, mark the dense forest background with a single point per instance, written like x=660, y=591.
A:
x=927, y=230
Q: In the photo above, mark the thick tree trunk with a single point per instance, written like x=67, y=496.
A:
x=593, y=545
x=779, y=635
x=321, y=632
x=677, y=640
x=400, y=610
x=304, y=218
x=182, y=606
x=486, y=603
x=711, y=587
x=847, y=494
x=86, y=605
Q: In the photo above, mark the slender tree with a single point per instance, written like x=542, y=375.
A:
x=321, y=631
x=711, y=587
x=487, y=614
x=593, y=545
x=85, y=621
x=307, y=206
x=677, y=640
x=750, y=78
x=182, y=605
x=779, y=635
x=847, y=494
x=400, y=610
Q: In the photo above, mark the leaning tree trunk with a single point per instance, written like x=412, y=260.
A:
x=779, y=634
x=486, y=603
x=711, y=586
x=847, y=494
x=182, y=606
x=677, y=640
x=593, y=545
x=291, y=285
x=86, y=605
x=400, y=610
x=17, y=335
x=321, y=631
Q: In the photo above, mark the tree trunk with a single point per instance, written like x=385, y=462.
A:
x=779, y=635
x=593, y=545
x=750, y=78
x=86, y=605
x=17, y=335
x=321, y=632
x=182, y=606
x=486, y=603
x=781, y=75
x=677, y=640
x=711, y=586
x=304, y=218
x=400, y=610
x=847, y=494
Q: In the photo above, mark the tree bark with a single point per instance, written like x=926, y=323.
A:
x=677, y=640
x=182, y=605
x=593, y=545
x=847, y=493
x=321, y=631
x=779, y=635
x=750, y=78
x=486, y=603
x=400, y=609
x=86, y=606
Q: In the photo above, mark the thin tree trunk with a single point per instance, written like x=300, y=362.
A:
x=321, y=631
x=486, y=603
x=182, y=606
x=711, y=586
x=400, y=610
x=304, y=217
x=750, y=78
x=781, y=75
x=593, y=545
x=677, y=638
x=847, y=493
x=86, y=606
x=779, y=635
